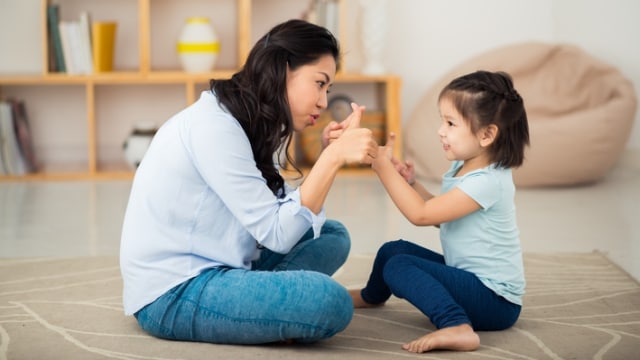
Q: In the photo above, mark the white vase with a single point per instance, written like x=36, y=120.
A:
x=198, y=45
x=373, y=32
x=137, y=143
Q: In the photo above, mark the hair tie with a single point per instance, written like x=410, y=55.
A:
x=512, y=96
x=266, y=40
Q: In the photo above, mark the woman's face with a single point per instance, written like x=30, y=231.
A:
x=307, y=89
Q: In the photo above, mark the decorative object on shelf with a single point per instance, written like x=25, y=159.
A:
x=198, y=45
x=325, y=13
x=340, y=107
x=137, y=143
x=373, y=33
x=103, y=40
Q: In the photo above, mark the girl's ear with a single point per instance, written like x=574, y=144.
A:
x=488, y=135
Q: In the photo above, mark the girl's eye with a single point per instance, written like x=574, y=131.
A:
x=321, y=83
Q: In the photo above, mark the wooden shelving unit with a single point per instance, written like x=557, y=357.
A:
x=147, y=76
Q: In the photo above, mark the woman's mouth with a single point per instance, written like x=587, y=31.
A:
x=313, y=120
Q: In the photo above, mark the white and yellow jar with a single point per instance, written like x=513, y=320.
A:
x=198, y=45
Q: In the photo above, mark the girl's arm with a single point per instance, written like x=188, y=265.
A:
x=418, y=205
x=355, y=145
x=408, y=172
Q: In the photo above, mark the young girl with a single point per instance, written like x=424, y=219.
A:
x=215, y=246
x=477, y=284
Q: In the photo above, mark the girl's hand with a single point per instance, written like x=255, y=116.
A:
x=406, y=169
x=385, y=153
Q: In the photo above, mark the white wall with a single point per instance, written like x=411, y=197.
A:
x=428, y=37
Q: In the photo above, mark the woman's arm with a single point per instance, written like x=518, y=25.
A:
x=354, y=146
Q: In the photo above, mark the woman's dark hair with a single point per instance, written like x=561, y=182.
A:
x=257, y=94
x=484, y=98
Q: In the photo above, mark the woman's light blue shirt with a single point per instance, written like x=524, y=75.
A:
x=486, y=242
x=199, y=201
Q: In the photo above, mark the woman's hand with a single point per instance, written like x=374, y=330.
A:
x=334, y=129
x=349, y=145
x=331, y=132
x=353, y=144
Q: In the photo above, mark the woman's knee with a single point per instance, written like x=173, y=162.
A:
x=339, y=237
x=335, y=307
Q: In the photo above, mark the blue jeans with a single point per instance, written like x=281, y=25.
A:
x=447, y=295
x=284, y=297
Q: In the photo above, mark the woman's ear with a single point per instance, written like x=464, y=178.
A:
x=488, y=135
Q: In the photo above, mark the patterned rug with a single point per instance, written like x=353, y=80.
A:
x=577, y=306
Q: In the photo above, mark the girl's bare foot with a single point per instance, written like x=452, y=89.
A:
x=358, y=302
x=458, y=338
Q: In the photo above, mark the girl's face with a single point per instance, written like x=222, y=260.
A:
x=458, y=141
x=307, y=89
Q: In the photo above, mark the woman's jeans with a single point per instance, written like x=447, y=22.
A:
x=284, y=297
x=447, y=295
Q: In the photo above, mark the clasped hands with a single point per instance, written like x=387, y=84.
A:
x=359, y=147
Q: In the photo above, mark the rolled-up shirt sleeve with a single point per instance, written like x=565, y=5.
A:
x=316, y=220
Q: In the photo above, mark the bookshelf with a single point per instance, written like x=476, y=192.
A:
x=79, y=122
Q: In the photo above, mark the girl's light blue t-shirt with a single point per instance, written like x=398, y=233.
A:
x=486, y=242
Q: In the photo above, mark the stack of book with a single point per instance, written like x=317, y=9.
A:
x=79, y=46
x=16, y=147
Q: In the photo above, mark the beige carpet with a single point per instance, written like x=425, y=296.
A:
x=577, y=306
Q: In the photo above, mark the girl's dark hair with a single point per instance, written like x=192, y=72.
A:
x=257, y=94
x=484, y=98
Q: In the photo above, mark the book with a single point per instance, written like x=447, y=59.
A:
x=3, y=168
x=65, y=28
x=55, y=45
x=12, y=159
x=76, y=47
x=23, y=135
x=103, y=41
x=84, y=32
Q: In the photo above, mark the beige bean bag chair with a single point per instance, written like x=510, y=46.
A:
x=580, y=113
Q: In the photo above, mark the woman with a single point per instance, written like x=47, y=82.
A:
x=215, y=246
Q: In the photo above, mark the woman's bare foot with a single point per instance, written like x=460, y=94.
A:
x=458, y=338
x=358, y=302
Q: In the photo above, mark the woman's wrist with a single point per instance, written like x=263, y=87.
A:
x=332, y=158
